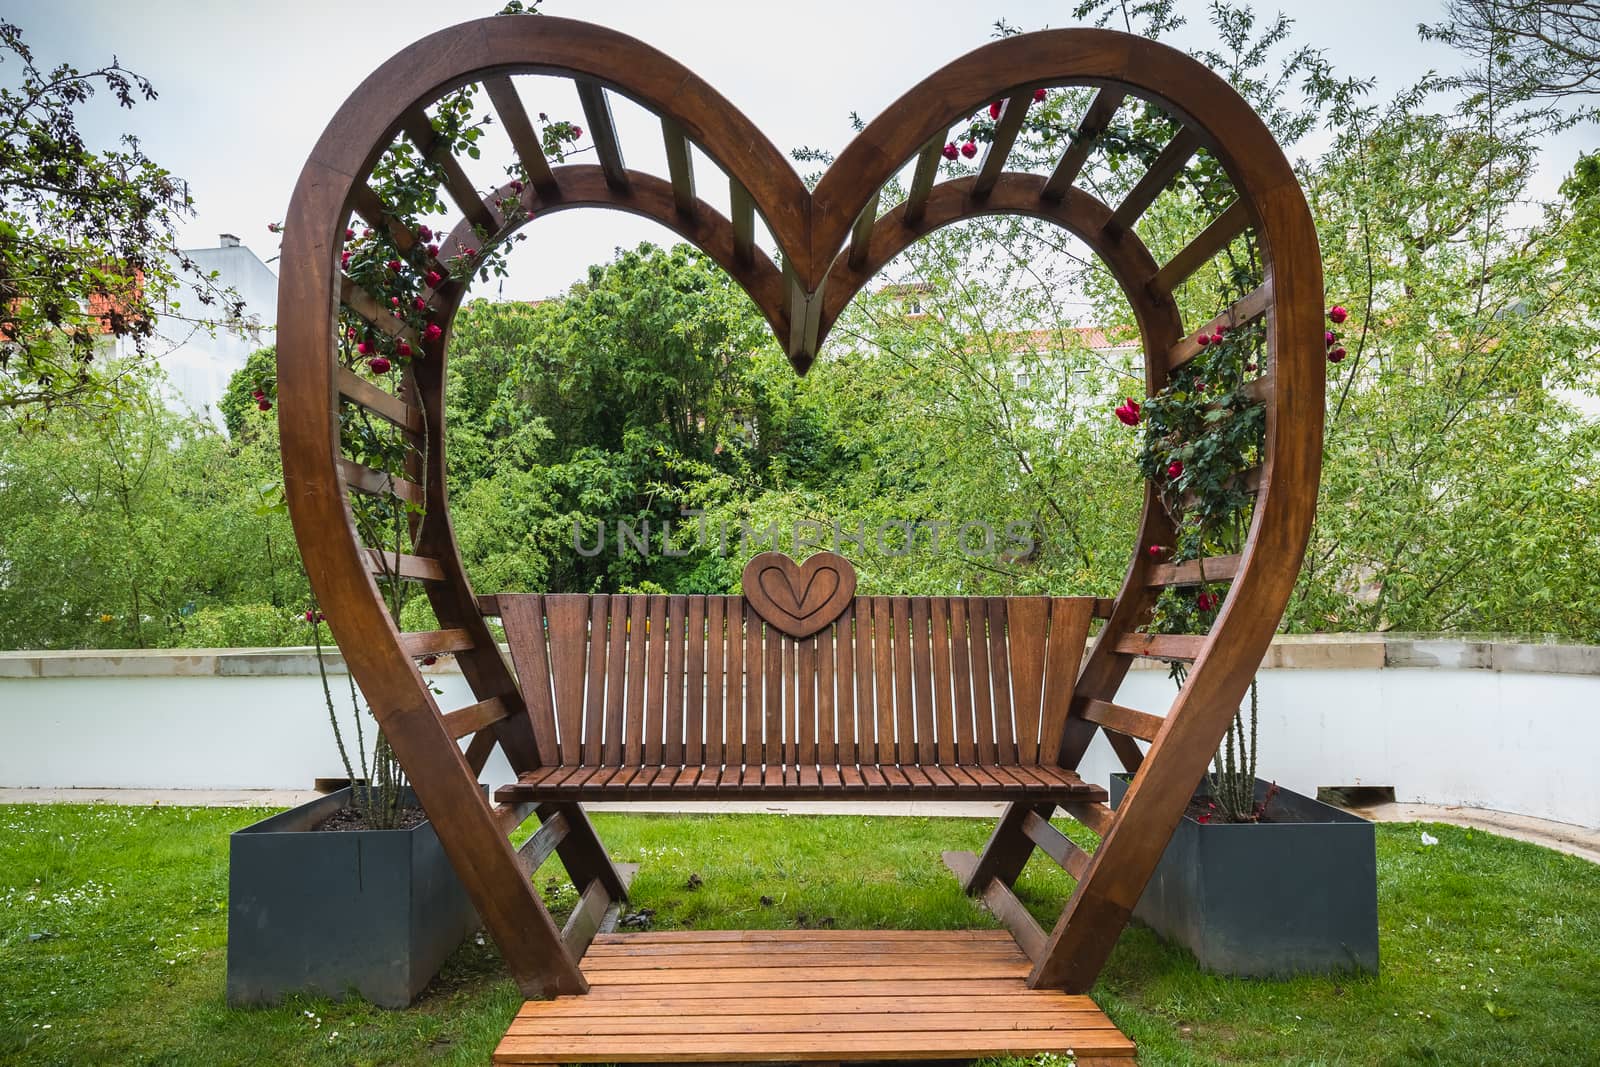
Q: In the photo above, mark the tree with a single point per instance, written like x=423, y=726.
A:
x=1530, y=49
x=88, y=246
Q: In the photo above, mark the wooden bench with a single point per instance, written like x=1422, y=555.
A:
x=797, y=689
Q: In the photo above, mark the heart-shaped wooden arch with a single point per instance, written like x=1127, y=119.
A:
x=831, y=241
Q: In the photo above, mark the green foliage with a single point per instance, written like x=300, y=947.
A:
x=242, y=626
x=88, y=251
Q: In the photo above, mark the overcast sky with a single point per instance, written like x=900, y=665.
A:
x=246, y=87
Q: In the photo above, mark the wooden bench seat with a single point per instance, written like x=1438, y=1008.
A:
x=797, y=689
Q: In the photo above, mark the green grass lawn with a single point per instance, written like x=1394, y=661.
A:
x=113, y=923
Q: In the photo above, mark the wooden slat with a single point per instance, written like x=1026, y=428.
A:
x=568, y=618
x=524, y=139
x=1005, y=737
x=594, y=709
x=1129, y=721
x=1193, y=572
x=457, y=185
x=474, y=717
x=616, y=665
x=603, y=132
x=845, y=712
x=368, y=205
x=939, y=679
x=861, y=232
x=374, y=314
x=1173, y=158
x=399, y=565
x=1245, y=310
x=1161, y=646
x=882, y=667
x=961, y=679
x=694, y=711
x=922, y=681
x=1069, y=629
x=507, y=817
x=384, y=405
x=983, y=712
x=742, y=215
x=1102, y=109
x=1055, y=844
x=904, y=696
x=1248, y=480
x=677, y=648
x=775, y=675
x=827, y=703
x=680, y=166
x=1006, y=128
x=922, y=180
x=633, y=710
x=1096, y=815
x=655, y=680
x=1003, y=903
x=435, y=642
x=804, y=749
x=542, y=844
x=754, y=670
x=1211, y=240
x=716, y=677
x=364, y=479
x=523, y=619
x=1027, y=622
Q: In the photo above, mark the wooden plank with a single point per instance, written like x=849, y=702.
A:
x=1095, y=815
x=776, y=677
x=755, y=970
x=964, y=1045
x=827, y=703
x=616, y=678
x=1130, y=721
x=435, y=642
x=1055, y=844
x=1248, y=480
x=1069, y=628
x=584, y=922
x=754, y=668
x=717, y=682
x=733, y=688
x=1211, y=240
x=364, y=479
x=1193, y=572
x=677, y=648
x=883, y=679
x=785, y=1010
x=1161, y=646
x=1026, y=620
x=524, y=139
x=567, y=615
x=1004, y=905
x=1241, y=312
x=939, y=677
x=371, y=208
x=694, y=712
x=742, y=215
x=922, y=681
x=633, y=729
x=1173, y=158
x=737, y=1020
x=655, y=669
x=844, y=652
x=904, y=699
x=522, y=615
x=861, y=232
x=507, y=817
x=1102, y=109
x=961, y=677
x=680, y=166
x=385, y=405
x=664, y=937
x=474, y=717
x=603, y=132
x=983, y=710
x=378, y=317
x=594, y=709
x=922, y=180
x=805, y=748
x=542, y=844
x=457, y=185
x=399, y=565
x=1012, y=112
x=866, y=703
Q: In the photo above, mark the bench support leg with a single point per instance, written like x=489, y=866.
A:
x=582, y=854
x=1008, y=849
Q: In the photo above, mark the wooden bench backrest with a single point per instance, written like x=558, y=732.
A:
x=704, y=680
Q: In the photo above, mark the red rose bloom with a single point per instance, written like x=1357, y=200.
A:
x=432, y=333
x=1175, y=468
x=1338, y=314
x=379, y=365
x=1337, y=355
x=434, y=278
x=1128, y=412
x=402, y=350
x=1038, y=96
x=1155, y=551
x=994, y=110
x=1203, y=340
x=969, y=149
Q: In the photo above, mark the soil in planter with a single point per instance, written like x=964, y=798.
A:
x=355, y=819
x=1200, y=810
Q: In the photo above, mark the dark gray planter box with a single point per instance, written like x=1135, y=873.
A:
x=1272, y=898
x=374, y=911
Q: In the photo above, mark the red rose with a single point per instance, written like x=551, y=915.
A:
x=1202, y=818
x=1330, y=337
x=379, y=365
x=951, y=151
x=367, y=232
x=434, y=278
x=351, y=333
x=433, y=250
x=969, y=149
x=365, y=348
x=1203, y=340
x=402, y=349
x=1128, y=412
x=1155, y=551
x=1337, y=355
x=394, y=265
x=432, y=333
x=257, y=394
x=311, y=616
x=516, y=187
x=394, y=301
x=349, y=234
x=344, y=259
x=265, y=405
x=428, y=661
x=1199, y=387
x=1038, y=96
x=424, y=234
x=1216, y=338
x=577, y=133
x=1175, y=468
x=273, y=227
x=1338, y=314
x=994, y=110
x=1249, y=366
x=420, y=304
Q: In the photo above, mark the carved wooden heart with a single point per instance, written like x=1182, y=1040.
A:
x=799, y=598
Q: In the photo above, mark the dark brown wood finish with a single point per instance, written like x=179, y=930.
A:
x=910, y=697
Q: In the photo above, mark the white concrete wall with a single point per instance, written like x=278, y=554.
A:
x=1509, y=727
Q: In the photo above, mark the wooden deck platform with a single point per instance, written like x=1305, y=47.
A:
x=808, y=996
